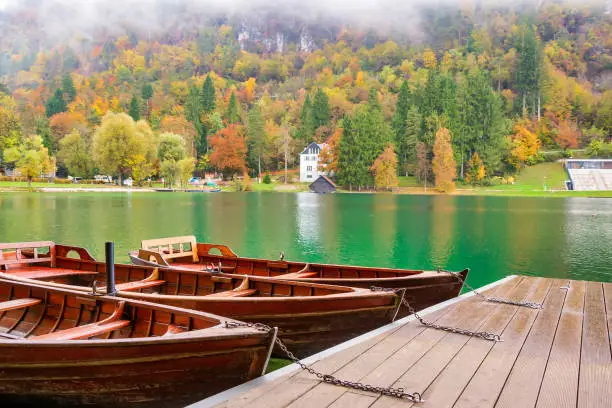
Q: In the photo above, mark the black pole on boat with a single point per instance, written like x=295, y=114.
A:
x=110, y=268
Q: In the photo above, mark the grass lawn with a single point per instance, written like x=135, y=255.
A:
x=24, y=184
x=276, y=363
x=407, y=181
x=541, y=177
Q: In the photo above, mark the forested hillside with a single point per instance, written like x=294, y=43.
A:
x=446, y=91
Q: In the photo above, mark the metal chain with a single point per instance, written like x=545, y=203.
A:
x=483, y=334
x=530, y=305
x=330, y=379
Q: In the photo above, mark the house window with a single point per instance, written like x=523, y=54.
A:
x=309, y=176
x=308, y=168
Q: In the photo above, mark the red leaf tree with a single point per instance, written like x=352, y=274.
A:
x=229, y=150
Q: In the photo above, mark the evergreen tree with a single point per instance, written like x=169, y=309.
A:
x=146, y=92
x=233, y=114
x=408, y=144
x=134, y=111
x=400, y=117
x=55, y=104
x=350, y=166
x=256, y=138
x=529, y=70
x=364, y=138
x=373, y=99
x=208, y=95
x=68, y=88
x=193, y=113
x=306, y=129
x=320, y=109
x=481, y=126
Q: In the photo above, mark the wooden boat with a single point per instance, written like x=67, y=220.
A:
x=423, y=288
x=68, y=347
x=310, y=317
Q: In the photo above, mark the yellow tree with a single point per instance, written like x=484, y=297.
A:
x=525, y=144
x=121, y=146
x=444, y=166
x=31, y=158
x=385, y=169
x=476, y=169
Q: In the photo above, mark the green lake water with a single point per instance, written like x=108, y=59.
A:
x=494, y=236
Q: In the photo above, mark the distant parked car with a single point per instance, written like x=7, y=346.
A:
x=77, y=180
x=105, y=179
x=195, y=180
x=128, y=182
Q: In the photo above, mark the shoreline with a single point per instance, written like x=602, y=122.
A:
x=401, y=191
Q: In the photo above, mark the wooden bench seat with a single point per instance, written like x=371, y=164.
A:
x=111, y=323
x=84, y=332
x=126, y=287
x=18, y=304
x=234, y=293
x=298, y=275
x=172, y=329
x=45, y=272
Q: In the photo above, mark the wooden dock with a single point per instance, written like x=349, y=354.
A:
x=559, y=356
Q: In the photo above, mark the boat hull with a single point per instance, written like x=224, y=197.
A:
x=151, y=375
x=306, y=326
x=68, y=347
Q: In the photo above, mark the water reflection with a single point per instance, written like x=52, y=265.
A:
x=494, y=236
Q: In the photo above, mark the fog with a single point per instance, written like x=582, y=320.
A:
x=63, y=19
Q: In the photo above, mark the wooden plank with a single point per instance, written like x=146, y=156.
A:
x=18, y=304
x=560, y=385
x=446, y=388
x=278, y=385
x=83, y=332
x=331, y=360
x=488, y=381
x=595, y=386
x=608, y=298
x=291, y=388
x=137, y=285
x=394, y=371
x=352, y=400
x=422, y=377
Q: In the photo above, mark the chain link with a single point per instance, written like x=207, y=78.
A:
x=330, y=379
x=530, y=305
x=483, y=334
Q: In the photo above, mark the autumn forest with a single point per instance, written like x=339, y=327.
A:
x=469, y=93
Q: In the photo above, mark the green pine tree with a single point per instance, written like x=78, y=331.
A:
x=134, y=111
x=146, y=92
x=233, y=113
x=306, y=129
x=55, y=104
x=193, y=113
x=320, y=109
x=68, y=88
x=256, y=138
x=528, y=72
x=399, y=124
x=208, y=95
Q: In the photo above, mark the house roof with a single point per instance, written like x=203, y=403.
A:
x=326, y=179
x=313, y=144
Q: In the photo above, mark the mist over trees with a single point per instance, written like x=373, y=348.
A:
x=246, y=88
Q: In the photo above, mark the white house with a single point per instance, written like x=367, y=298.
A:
x=309, y=162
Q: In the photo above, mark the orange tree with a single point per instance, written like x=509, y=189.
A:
x=385, y=169
x=229, y=150
x=444, y=166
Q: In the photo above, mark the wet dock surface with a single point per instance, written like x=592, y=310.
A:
x=558, y=356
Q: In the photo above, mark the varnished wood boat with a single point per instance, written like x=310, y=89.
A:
x=423, y=288
x=310, y=317
x=70, y=348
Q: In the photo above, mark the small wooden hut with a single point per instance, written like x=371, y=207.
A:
x=323, y=185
